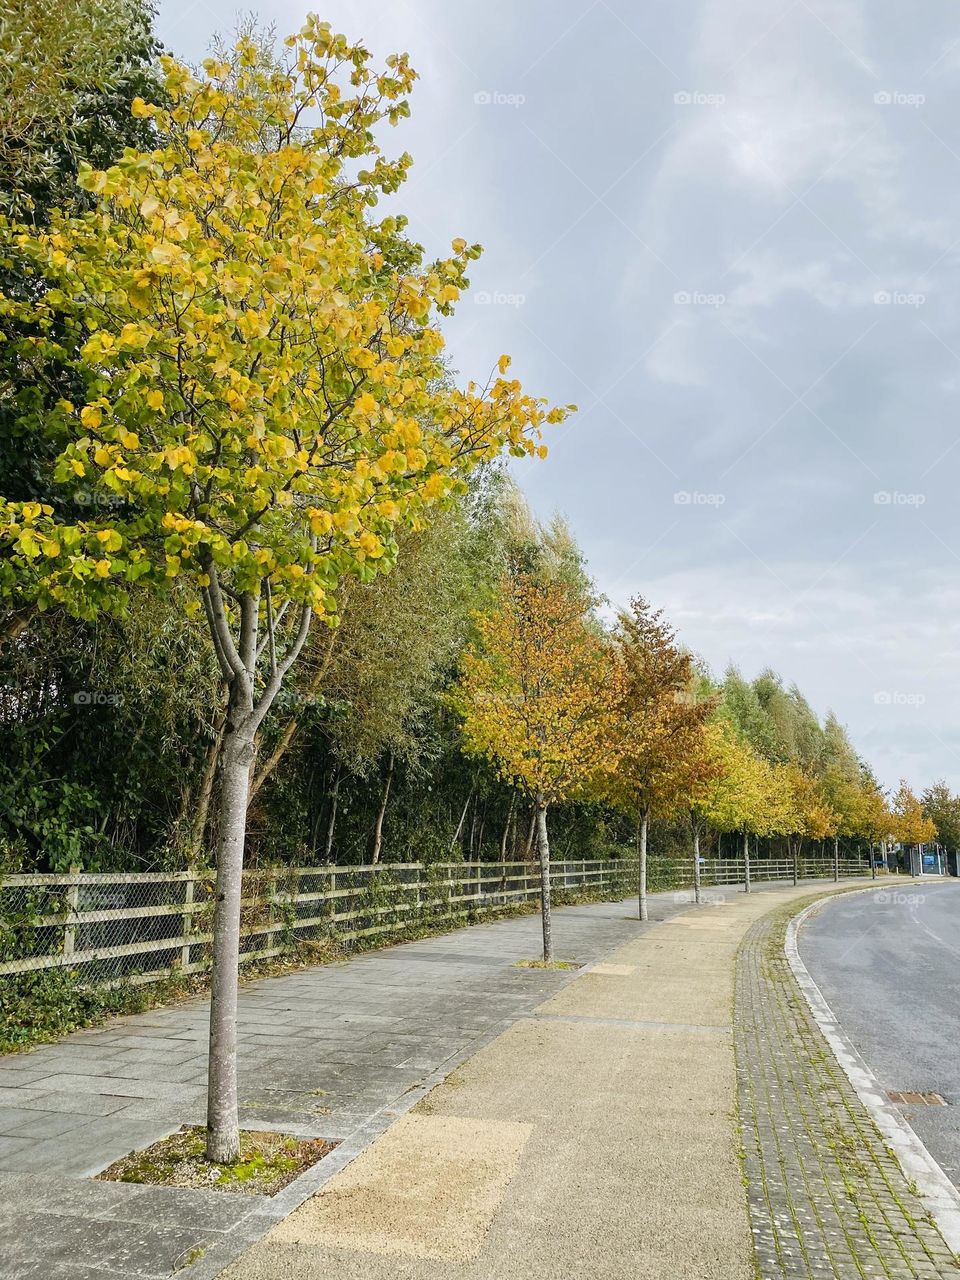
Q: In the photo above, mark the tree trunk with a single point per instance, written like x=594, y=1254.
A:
x=697, y=895
x=796, y=861
x=16, y=622
x=334, y=797
x=543, y=848
x=463, y=816
x=378, y=827
x=836, y=859
x=292, y=727
x=506, y=828
x=746, y=862
x=531, y=832
x=223, y=1124
x=644, y=816
x=210, y=765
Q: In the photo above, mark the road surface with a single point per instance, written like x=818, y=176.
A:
x=888, y=964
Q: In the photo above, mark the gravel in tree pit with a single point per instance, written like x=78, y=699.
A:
x=268, y=1162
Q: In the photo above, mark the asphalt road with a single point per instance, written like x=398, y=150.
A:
x=888, y=964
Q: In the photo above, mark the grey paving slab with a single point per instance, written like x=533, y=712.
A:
x=333, y=1051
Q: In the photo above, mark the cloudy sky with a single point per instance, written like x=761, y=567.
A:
x=729, y=230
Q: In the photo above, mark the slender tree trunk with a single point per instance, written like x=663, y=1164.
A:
x=378, y=826
x=746, y=862
x=16, y=622
x=796, y=861
x=531, y=833
x=873, y=861
x=836, y=859
x=210, y=764
x=223, y=1125
x=543, y=848
x=506, y=828
x=334, y=800
x=292, y=727
x=697, y=895
x=463, y=816
x=644, y=816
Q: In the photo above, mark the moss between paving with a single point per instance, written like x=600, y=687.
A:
x=627, y=1084
x=827, y=1197
x=268, y=1162
x=624, y=1089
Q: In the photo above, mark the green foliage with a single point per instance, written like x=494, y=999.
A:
x=49, y=1003
x=943, y=808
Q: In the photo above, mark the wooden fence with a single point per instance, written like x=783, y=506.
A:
x=141, y=927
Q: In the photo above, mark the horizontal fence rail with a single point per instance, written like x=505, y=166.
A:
x=143, y=927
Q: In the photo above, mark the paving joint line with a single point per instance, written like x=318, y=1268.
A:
x=641, y=1024
x=939, y=1195
x=826, y=1196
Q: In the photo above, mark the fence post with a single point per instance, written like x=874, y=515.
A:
x=187, y=924
x=746, y=863
x=271, y=888
x=73, y=901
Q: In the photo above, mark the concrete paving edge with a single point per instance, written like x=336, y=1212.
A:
x=938, y=1194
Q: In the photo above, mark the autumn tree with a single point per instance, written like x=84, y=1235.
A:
x=805, y=813
x=706, y=790
x=262, y=391
x=942, y=807
x=661, y=748
x=735, y=797
x=537, y=695
x=876, y=821
x=911, y=826
x=842, y=792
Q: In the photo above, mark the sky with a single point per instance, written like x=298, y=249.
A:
x=729, y=231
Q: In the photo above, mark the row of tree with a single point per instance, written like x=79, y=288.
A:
x=563, y=706
x=265, y=591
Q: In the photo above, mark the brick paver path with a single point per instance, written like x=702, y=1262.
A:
x=827, y=1198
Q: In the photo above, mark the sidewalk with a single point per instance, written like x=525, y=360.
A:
x=596, y=1138
x=332, y=1051
x=495, y=1122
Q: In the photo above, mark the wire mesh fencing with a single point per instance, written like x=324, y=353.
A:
x=140, y=927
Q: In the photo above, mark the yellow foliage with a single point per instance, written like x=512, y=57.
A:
x=538, y=692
